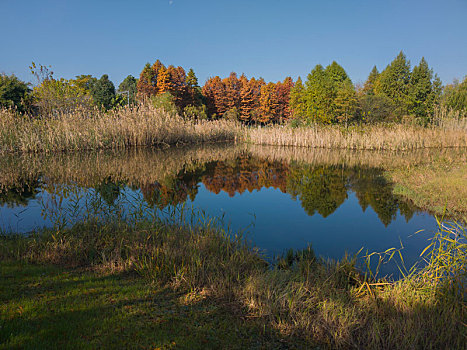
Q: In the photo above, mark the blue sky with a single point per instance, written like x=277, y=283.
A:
x=272, y=39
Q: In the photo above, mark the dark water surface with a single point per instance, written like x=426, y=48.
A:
x=281, y=197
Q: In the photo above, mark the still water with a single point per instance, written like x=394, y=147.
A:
x=280, y=198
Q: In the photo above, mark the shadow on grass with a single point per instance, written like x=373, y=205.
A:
x=55, y=308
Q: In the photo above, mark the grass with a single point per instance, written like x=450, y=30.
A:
x=141, y=125
x=439, y=186
x=145, y=125
x=51, y=307
x=300, y=299
x=394, y=137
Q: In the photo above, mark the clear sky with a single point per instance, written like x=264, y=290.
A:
x=272, y=38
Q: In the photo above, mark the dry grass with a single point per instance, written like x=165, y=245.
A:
x=142, y=125
x=440, y=186
x=395, y=137
x=330, y=304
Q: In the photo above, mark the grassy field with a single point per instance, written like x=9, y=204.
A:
x=162, y=283
x=51, y=307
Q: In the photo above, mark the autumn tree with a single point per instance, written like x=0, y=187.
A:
x=268, y=103
x=232, y=91
x=247, y=99
x=214, y=92
x=147, y=82
x=283, y=96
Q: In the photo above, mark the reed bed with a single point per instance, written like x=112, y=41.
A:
x=141, y=125
x=330, y=304
x=397, y=137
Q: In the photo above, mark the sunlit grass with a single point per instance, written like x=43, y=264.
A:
x=141, y=125
x=366, y=137
x=329, y=303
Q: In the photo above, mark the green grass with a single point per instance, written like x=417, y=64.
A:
x=439, y=186
x=148, y=284
x=51, y=307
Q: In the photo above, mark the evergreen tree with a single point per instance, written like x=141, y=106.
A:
x=129, y=84
x=394, y=82
x=298, y=100
x=421, y=91
x=345, y=103
x=455, y=96
x=369, y=87
x=194, y=91
x=336, y=73
x=103, y=92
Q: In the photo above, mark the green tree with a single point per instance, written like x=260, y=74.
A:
x=129, y=84
x=14, y=93
x=455, y=95
x=369, y=87
x=54, y=96
x=85, y=82
x=319, y=96
x=103, y=92
x=394, y=82
x=330, y=95
x=195, y=96
x=422, y=94
x=345, y=102
x=298, y=100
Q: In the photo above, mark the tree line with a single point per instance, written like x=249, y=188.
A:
x=326, y=96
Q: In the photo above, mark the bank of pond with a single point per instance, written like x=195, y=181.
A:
x=313, y=244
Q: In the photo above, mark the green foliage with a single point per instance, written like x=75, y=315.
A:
x=455, y=96
x=60, y=96
x=166, y=102
x=85, y=82
x=195, y=112
x=231, y=114
x=129, y=84
x=329, y=95
x=14, y=93
x=369, y=87
x=424, y=92
x=394, y=82
x=376, y=109
x=191, y=79
x=297, y=100
x=103, y=92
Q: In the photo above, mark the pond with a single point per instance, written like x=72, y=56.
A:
x=280, y=198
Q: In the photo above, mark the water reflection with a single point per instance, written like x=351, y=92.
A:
x=338, y=201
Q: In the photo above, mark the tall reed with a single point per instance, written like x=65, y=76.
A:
x=369, y=137
x=141, y=125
